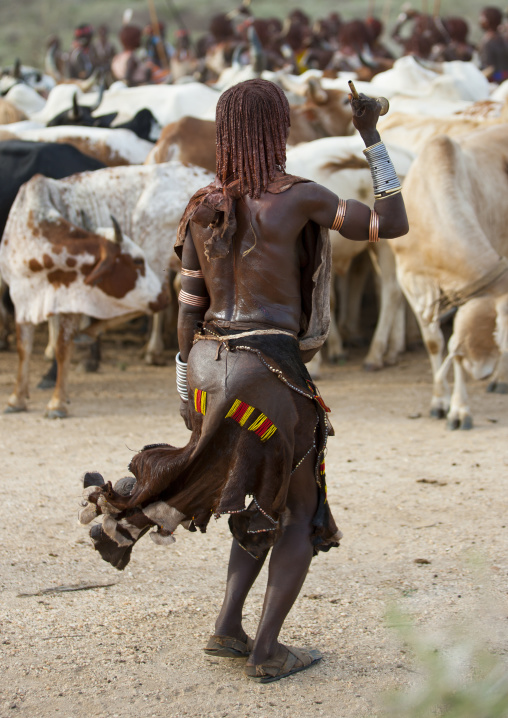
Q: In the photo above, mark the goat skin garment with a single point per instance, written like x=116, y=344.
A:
x=255, y=417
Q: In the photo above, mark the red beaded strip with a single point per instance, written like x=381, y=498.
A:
x=240, y=412
x=317, y=397
x=193, y=299
x=340, y=215
x=200, y=401
x=374, y=226
x=196, y=273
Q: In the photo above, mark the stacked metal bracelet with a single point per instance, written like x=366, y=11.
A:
x=181, y=378
x=384, y=178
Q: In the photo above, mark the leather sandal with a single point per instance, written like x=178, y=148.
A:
x=290, y=660
x=228, y=647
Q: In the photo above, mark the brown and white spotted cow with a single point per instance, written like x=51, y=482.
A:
x=61, y=256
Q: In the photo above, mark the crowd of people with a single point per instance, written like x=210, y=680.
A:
x=297, y=43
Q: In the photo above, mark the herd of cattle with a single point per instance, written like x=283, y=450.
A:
x=93, y=184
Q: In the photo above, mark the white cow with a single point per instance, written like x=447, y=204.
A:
x=111, y=146
x=168, y=103
x=56, y=260
x=458, y=219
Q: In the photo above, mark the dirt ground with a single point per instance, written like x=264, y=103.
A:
x=135, y=647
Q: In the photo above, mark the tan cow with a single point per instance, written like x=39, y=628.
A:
x=326, y=113
x=458, y=239
x=9, y=113
x=413, y=131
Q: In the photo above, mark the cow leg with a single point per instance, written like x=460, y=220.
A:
x=423, y=298
x=68, y=326
x=155, y=349
x=499, y=383
x=314, y=366
x=49, y=352
x=334, y=345
x=459, y=415
x=397, y=337
x=4, y=318
x=24, y=342
x=352, y=287
x=390, y=307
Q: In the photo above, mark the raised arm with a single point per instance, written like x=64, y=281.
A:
x=352, y=218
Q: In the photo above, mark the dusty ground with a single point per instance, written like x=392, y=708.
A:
x=135, y=648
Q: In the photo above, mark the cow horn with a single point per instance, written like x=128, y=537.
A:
x=16, y=70
x=316, y=92
x=256, y=52
x=101, y=95
x=76, y=110
x=118, y=232
x=86, y=85
x=50, y=65
x=235, y=60
x=368, y=62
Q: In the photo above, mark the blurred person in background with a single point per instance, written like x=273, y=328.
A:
x=493, y=47
x=104, y=48
x=82, y=56
x=457, y=47
x=126, y=65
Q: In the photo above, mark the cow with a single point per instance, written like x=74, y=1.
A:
x=9, y=113
x=192, y=140
x=21, y=160
x=413, y=131
x=472, y=348
x=456, y=250
x=339, y=164
x=141, y=124
x=61, y=256
x=112, y=147
x=25, y=99
x=167, y=103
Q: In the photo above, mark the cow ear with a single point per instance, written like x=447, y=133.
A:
x=316, y=92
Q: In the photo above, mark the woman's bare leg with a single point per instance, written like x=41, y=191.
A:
x=289, y=563
x=243, y=570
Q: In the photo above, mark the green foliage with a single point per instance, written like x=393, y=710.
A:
x=457, y=680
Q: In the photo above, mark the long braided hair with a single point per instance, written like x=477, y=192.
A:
x=252, y=123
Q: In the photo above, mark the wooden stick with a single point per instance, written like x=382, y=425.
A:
x=437, y=8
x=385, y=15
x=353, y=89
x=161, y=51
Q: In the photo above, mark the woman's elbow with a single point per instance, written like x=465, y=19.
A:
x=393, y=229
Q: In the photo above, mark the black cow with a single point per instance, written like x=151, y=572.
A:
x=21, y=160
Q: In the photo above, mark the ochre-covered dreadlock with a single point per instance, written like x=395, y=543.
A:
x=251, y=129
